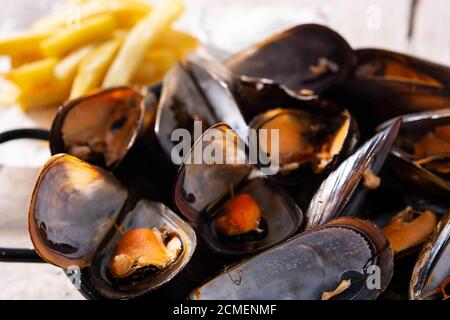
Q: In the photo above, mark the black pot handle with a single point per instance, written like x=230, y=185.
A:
x=37, y=134
x=19, y=254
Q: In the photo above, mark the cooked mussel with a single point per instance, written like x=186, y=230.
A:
x=241, y=219
x=386, y=84
x=103, y=127
x=306, y=58
x=114, y=129
x=236, y=209
x=308, y=142
x=193, y=91
x=409, y=228
x=387, y=65
x=142, y=248
x=430, y=278
x=77, y=215
x=342, y=253
x=338, y=194
x=374, y=101
x=421, y=151
x=257, y=98
x=289, y=69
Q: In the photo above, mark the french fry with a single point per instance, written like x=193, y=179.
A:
x=127, y=13
x=93, y=68
x=27, y=44
x=90, y=45
x=94, y=29
x=38, y=73
x=18, y=60
x=139, y=40
x=57, y=90
x=163, y=58
x=155, y=65
x=179, y=42
x=44, y=97
x=67, y=68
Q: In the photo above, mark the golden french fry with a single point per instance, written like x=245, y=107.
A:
x=49, y=96
x=137, y=6
x=54, y=92
x=119, y=34
x=67, y=68
x=179, y=42
x=19, y=60
x=93, y=68
x=66, y=54
x=23, y=45
x=155, y=65
x=139, y=40
x=146, y=74
x=94, y=29
x=127, y=12
x=163, y=58
x=38, y=73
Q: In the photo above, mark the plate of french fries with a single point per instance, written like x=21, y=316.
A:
x=90, y=45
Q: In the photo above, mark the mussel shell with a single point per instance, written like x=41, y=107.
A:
x=202, y=189
x=432, y=266
x=388, y=65
x=288, y=58
x=329, y=123
x=337, y=194
x=200, y=185
x=307, y=265
x=73, y=207
x=146, y=214
x=281, y=216
x=192, y=91
x=373, y=101
x=413, y=127
x=86, y=116
x=76, y=212
x=258, y=97
x=386, y=84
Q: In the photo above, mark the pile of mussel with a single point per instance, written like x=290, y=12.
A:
x=357, y=210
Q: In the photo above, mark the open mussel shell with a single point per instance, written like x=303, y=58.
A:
x=386, y=84
x=77, y=214
x=388, y=65
x=310, y=264
x=310, y=144
x=256, y=98
x=146, y=214
x=101, y=128
x=193, y=91
x=203, y=188
x=334, y=194
x=432, y=267
x=306, y=57
x=402, y=160
x=281, y=217
x=373, y=101
x=73, y=207
x=200, y=183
